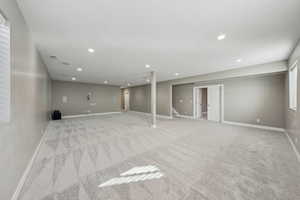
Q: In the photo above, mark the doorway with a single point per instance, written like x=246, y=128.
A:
x=125, y=98
x=208, y=102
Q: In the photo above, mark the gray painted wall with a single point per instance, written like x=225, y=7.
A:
x=140, y=98
x=164, y=89
x=245, y=99
x=182, y=98
x=164, y=96
x=293, y=117
x=105, y=98
x=30, y=103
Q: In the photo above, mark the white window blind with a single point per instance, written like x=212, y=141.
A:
x=4, y=70
x=293, y=73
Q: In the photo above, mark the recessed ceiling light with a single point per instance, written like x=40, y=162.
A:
x=176, y=74
x=239, y=60
x=148, y=80
x=221, y=36
x=128, y=84
x=73, y=78
x=105, y=82
x=91, y=50
x=147, y=66
x=79, y=69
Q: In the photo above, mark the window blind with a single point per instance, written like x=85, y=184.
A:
x=5, y=83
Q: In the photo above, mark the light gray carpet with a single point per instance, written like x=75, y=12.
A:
x=180, y=160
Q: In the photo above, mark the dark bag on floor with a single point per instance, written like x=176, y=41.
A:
x=56, y=115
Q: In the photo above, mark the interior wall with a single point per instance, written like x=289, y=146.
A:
x=104, y=98
x=293, y=117
x=164, y=99
x=263, y=84
x=182, y=98
x=252, y=99
x=140, y=98
x=164, y=89
x=30, y=103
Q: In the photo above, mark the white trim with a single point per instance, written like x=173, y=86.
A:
x=293, y=65
x=222, y=99
x=90, y=114
x=290, y=70
x=150, y=114
x=271, y=128
x=28, y=168
x=293, y=145
x=185, y=116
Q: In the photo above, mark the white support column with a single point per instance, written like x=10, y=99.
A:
x=153, y=98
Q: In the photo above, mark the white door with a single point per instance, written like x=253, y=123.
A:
x=213, y=103
x=126, y=100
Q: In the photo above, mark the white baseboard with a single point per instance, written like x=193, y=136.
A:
x=90, y=114
x=293, y=145
x=149, y=114
x=28, y=168
x=185, y=116
x=271, y=128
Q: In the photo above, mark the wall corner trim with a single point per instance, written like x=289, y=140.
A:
x=90, y=114
x=293, y=146
x=28, y=168
x=270, y=128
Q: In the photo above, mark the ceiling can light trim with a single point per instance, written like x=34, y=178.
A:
x=222, y=36
x=79, y=69
x=91, y=50
x=73, y=78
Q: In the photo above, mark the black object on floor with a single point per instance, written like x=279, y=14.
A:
x=56, y=115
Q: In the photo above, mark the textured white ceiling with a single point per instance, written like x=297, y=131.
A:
x=170, y=35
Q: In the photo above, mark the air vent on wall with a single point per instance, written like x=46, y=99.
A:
x=66, y=63
x=53, y=57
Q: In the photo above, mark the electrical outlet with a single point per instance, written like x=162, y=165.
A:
x=258, y=120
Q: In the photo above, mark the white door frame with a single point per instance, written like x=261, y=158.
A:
x=195, y=99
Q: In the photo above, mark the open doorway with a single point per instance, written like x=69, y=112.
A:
x=208, y=102
x=125, y=96
x=202, y=101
